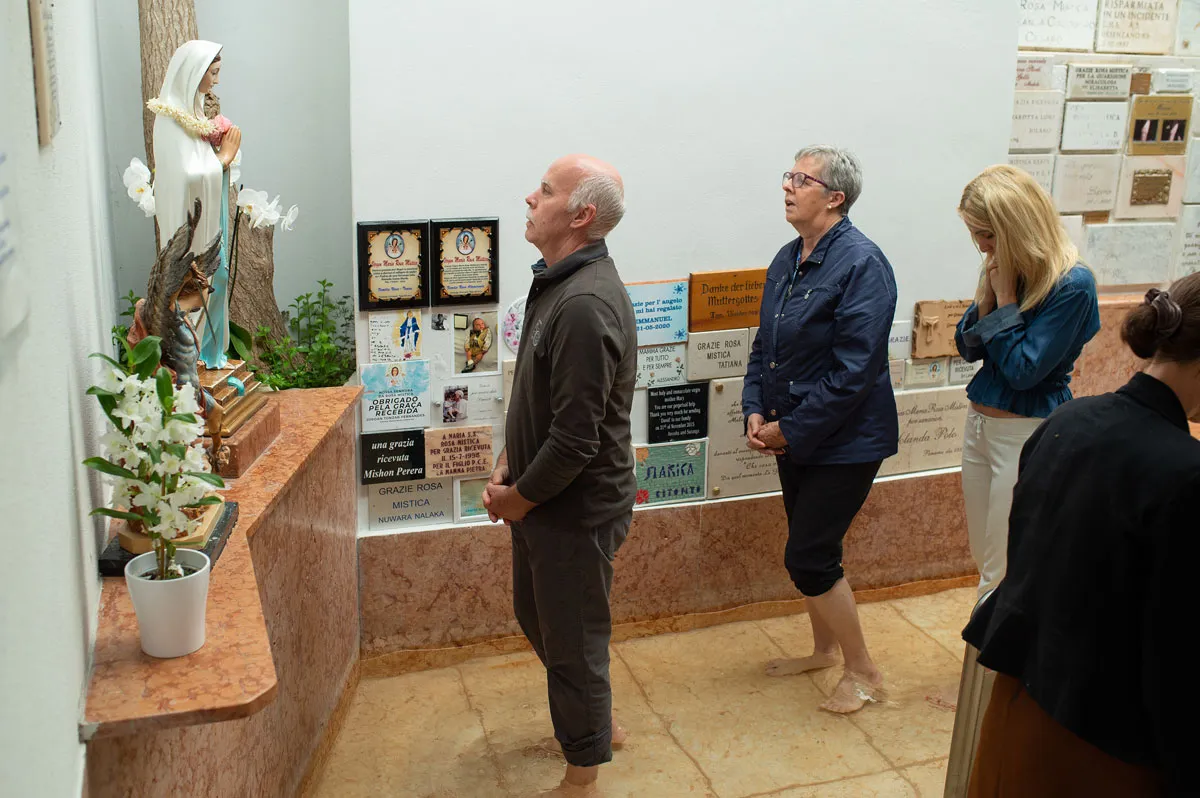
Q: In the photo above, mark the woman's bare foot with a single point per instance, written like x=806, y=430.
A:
x=853, y=691
x=790, y=667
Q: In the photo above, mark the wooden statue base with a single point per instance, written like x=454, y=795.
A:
x=238, y=407
x=140, y=542
x=240, y=450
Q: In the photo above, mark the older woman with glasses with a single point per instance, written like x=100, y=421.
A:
x=818, y=397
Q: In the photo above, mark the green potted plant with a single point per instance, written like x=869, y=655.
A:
x=161, y=480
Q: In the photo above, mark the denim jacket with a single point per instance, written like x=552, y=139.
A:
x=1028, y=355
x=819, y=363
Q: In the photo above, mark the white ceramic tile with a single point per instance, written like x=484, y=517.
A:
x=1130, y=254
x=1094, y=126
x=717, y=354
x=1084, y=183
x=1165, y=167
x=1098, y=81
x=1147, y=26
x=1036, y=120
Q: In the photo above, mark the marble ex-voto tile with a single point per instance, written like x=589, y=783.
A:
x=926, y=373
x=963, y=371
x=670, y=472
x=1086, y=183
x=1049, y=25
x=1036, y=120
x=733, y=468
x=931, y=431
x=1039, y=167
x=1130, y=254
x=1099, y=81
x=1094, y=126
x=661, y=365
x=406, y=505
x=713, y=355
x=1143, y=26
x=1151, y=187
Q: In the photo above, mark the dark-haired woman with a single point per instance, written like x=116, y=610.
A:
x=1092, y=691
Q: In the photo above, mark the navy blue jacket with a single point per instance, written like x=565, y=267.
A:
x=819, y=363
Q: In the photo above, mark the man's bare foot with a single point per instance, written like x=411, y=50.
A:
x=944, y=698
x=579, y=782
x=568, y=790
x=619, y=735
x=853, y=691
x=790, y=667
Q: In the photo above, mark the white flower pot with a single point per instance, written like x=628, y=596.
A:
x=170, y=613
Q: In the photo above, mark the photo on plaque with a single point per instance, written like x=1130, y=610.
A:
x=475, y=342
x=393, y=265
x=466, y=260
x=454, y=403
x=468, y=499
x=1160, y=124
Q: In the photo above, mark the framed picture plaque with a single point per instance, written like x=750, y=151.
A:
x=393, y=265
x=466, y=261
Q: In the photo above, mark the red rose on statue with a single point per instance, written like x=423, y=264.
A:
x=642, y=497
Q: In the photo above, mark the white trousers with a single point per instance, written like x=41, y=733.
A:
x=991, y=452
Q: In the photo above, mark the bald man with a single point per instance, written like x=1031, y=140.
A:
x=565, y=481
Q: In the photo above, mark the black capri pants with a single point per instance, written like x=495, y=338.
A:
x=821, y=502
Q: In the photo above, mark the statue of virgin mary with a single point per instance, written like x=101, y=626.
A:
x=192, y=155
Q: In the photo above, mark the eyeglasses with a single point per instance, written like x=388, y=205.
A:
x=800, y=180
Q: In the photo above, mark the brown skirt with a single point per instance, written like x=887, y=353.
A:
x=1025, y=753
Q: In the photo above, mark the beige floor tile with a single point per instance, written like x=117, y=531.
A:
x=749, y=733
x=881, y=785
x=905, y=728
x=412, y=735
x=930, y=779
x=509, y=693
x=942, y=616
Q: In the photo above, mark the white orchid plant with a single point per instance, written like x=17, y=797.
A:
x=261, y=211
x=154, y=455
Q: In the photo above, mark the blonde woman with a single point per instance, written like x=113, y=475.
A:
x=1034, y=309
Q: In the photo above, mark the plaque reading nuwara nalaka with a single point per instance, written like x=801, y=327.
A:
x=466, y=261
x=725, y=300
x=458, y=451
x=395, y=505
x=393, y=265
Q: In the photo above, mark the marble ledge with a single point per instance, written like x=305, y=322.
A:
x=233, y=675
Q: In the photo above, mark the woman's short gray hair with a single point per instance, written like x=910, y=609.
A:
x=605, y=192
x=839, y=168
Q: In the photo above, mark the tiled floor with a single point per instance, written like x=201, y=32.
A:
x=704, y=719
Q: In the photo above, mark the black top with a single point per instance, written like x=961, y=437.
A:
x=1095, y=616
x=567, y=432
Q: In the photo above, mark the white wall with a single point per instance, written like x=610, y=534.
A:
x=50, y=590
x=457, y=109
x=284, y=81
